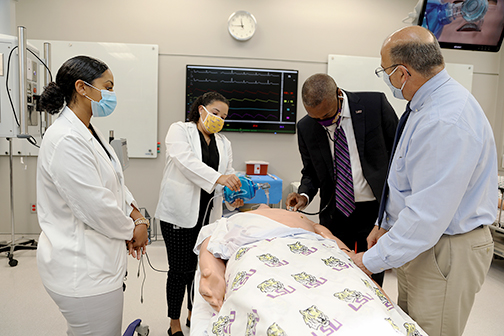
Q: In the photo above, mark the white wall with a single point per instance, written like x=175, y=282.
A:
x=291, y=34
x=7, y=17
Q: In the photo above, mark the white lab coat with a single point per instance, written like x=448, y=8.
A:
x=83, y=211
x=185, y=175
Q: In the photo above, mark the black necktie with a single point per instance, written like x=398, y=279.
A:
x=399, y=130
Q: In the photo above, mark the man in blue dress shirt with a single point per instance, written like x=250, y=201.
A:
x=442, y=189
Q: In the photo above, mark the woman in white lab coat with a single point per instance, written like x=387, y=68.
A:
x=198, y=164
x=87, y=215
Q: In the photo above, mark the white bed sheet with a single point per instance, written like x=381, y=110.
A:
x=297, y=283
x=228, y=235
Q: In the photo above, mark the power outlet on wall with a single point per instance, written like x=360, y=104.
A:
x=33, y=208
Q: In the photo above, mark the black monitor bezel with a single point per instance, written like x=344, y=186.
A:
x=462, y=46
x=259, y=130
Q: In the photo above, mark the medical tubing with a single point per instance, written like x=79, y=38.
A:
x=7, y=80
x=142, y=264
x=30, y=139
x=148, y=260
x=155, y=269
x=145, y=276
x=238, y=193
x=43, y=63
x=208, y=205
x=7, y=85
x=190, y=295
x=316, y=213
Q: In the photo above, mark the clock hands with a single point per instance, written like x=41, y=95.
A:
x=240, y=25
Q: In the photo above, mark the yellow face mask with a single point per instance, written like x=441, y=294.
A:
x=212, y=123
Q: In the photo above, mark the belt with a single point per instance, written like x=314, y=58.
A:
x=476, y=228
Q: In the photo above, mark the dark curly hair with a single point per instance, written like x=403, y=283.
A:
x=206, y=99
x=62, y=92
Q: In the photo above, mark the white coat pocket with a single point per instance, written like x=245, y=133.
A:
x=185, y=202
x=104, y=258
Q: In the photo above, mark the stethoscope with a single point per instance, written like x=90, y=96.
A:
x=338, y=115
x=312, y=213
x=336, y=118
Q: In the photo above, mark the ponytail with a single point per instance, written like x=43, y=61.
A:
x=62, y=91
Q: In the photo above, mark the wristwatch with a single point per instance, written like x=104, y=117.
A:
x=142, y=220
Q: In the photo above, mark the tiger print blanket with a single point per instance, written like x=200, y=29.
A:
x=303, y=285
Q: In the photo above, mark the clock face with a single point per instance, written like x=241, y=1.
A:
x=242, y=25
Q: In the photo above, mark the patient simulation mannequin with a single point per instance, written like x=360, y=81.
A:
x=212, y=284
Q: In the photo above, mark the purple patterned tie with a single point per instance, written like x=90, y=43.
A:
x=345, y=200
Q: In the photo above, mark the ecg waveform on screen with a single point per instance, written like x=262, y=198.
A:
x=257, y=116
x=236, y=72
x=251, y=92
x=254, y=100
x=233, y=81
x=253, y=95
x=261, y=100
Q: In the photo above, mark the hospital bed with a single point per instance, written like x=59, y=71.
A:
x=285, y=281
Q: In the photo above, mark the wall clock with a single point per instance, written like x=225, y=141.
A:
x=242, y=25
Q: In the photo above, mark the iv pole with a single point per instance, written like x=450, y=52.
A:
x=29, y=244
x=12, y=246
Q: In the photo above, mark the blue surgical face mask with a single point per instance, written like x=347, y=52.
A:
x=395, y=91
x=106, y=105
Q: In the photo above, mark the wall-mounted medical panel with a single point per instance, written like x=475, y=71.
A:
x=135, y=70
x=14, y=120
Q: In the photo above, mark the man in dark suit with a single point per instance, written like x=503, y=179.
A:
x=365, y=123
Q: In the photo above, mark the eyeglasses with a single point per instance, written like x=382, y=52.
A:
x=379, y=71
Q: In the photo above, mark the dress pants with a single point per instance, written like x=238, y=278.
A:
x=97, y=315
x=182, y=264
x=438, y=287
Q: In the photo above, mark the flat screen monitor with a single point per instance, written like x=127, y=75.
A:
x=469, y=24
x=261, y=100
